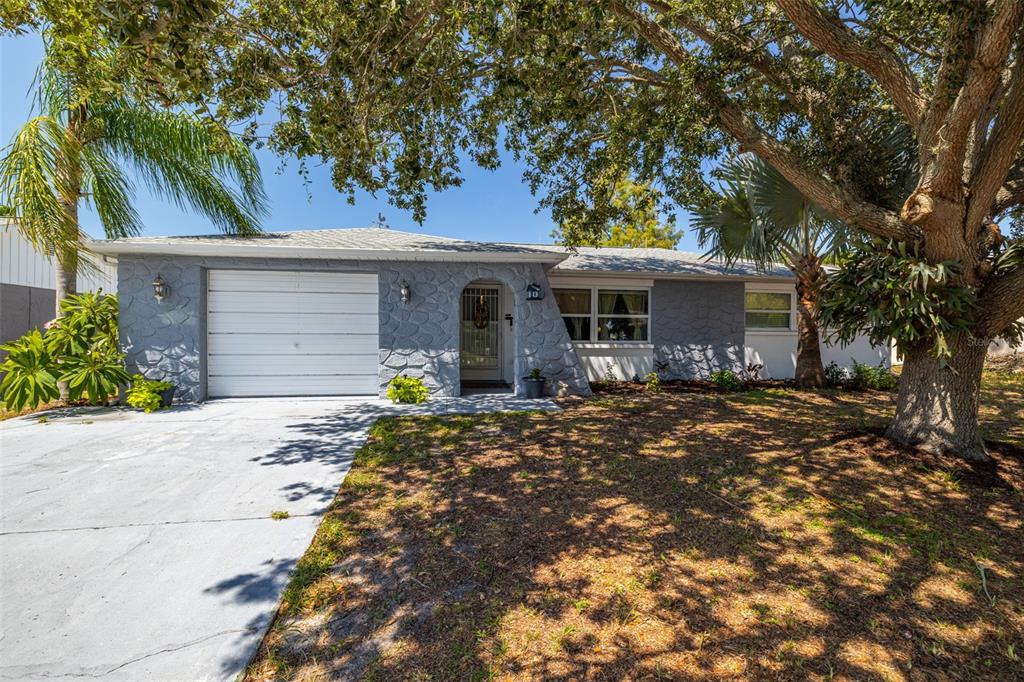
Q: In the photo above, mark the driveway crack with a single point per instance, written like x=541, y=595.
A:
x=136, y=659
x=156, y=523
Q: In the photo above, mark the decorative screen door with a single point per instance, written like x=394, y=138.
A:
x=480, y=333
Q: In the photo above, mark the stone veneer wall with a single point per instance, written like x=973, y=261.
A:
x=698, y=327
x=421, y=338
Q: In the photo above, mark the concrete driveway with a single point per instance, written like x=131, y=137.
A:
x=141, y=546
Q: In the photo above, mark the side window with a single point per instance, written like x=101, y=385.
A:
x=768, y=310
x=575, y=306
x=623, y=315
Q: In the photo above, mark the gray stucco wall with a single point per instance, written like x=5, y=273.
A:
x=23, y=308
x=698, y=327
x=167, y=340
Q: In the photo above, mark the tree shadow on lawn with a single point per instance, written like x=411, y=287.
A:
x=674, y=536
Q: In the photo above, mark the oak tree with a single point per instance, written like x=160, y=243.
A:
x=396, y=95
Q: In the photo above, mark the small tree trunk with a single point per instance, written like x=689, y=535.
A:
x=66, y=285
x=65, y=260
x=809, y=371
x=937, y=407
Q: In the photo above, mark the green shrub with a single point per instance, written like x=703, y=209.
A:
x=80, y=348
x=30, y=373
x=403, y=389
x=835, y=375
x=727, y=379
x=652, y=382
x=145, y=394
x=88, y=322
x=96, y=374
x=877, y=378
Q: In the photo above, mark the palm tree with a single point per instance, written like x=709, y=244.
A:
x=758, y=216
x=78, y=150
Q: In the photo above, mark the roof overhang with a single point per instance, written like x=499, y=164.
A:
x=656, y=274
x=229, y=250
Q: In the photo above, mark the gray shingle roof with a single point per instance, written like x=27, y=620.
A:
x=375, y=242
x=361, y=241
x=655, y=262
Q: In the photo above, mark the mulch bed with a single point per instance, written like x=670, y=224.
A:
x=684, y=386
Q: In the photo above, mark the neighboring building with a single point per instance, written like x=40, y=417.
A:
x=27, y=281
x=342, y=312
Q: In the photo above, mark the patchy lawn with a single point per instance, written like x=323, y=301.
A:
x=681, y=535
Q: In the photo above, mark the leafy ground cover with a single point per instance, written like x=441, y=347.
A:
x=768, y=534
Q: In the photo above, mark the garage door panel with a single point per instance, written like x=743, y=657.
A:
x=291, y=385
x=299, y=323
x=263, y=281
x=281, y=333
x=281, y=365
x=291, y=302
x=255, y=344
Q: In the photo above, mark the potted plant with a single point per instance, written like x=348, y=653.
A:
x=533, y=385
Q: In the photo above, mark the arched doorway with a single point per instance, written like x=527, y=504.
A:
x=485, y=336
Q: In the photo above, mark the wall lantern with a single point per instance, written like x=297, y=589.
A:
x=405, y=292
x=534, y=292
x=161, y=289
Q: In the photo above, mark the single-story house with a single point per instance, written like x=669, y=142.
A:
x=342, y=312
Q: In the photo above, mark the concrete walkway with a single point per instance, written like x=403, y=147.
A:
x=140, y=547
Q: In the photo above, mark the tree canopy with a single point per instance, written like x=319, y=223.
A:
x=393, y=95
x=637, y=225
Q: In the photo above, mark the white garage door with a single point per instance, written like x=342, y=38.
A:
x=283, y=333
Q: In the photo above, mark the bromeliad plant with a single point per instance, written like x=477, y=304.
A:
x=146, y=394
x=79, y=348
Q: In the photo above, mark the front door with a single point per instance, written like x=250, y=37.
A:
x=480, y=333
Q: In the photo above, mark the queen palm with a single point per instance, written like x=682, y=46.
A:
x=758, y=216
x=81, y=151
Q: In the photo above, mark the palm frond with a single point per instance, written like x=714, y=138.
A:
x=193, y=165
x=763, y=218
x=32, y=187
x=111, y=192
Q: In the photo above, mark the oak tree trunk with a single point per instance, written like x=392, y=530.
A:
x=937, y=407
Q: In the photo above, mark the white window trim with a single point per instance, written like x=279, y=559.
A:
x=594, y=342
x=770, y=289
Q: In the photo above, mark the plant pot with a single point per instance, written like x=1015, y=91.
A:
x=167, y=397
x=533, y=388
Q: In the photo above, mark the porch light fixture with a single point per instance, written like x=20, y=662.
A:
x=161, y=289
x=534, y=292
x=405, y=292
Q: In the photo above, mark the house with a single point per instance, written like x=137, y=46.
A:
x=342, y=312
x=28, y=282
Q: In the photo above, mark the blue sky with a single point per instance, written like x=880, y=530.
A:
x=488, y=206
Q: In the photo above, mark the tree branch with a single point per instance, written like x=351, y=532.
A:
x=827, y=33
x=810, y=182
x=799, y=94
x=1002, y=302
x=1009, y=195
x=1001, y=151
x=983, y=78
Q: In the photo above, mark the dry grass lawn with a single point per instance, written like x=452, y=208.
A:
x=683, y=535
